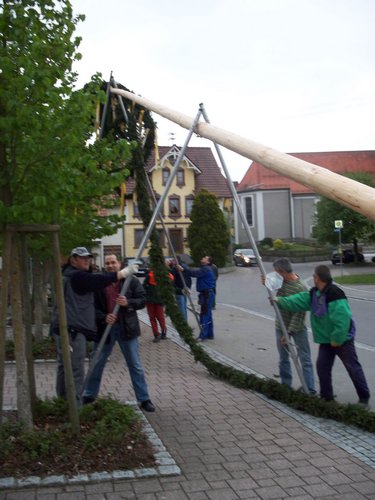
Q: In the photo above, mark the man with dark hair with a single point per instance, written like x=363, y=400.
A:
x=333, y=329
x=125, y=330
x=295, y=325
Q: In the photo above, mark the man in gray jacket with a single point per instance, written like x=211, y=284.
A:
x=79, y=287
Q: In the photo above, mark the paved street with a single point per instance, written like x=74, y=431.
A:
x=227, y=443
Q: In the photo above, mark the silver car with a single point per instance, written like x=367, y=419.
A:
x=244, y=257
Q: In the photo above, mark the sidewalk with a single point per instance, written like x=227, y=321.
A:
x=229, y=443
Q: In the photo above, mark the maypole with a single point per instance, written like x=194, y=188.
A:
x=348, y=192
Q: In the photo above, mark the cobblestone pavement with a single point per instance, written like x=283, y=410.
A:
x=228, y=443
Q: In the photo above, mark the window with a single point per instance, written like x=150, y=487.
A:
x=166, y=174
x=161, y=236
x=135, y=210
x=174, y=206
x=188, y=206
x=249, y=210
x=180, y=177
x=138, y=235
x=162, y=207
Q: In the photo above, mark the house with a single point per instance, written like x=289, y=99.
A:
x=198, y=169
x=279, y=207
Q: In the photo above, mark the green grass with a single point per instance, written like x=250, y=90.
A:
x=356, y=279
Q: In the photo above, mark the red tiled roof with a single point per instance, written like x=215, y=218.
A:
x=340, y=162
x=210, y=177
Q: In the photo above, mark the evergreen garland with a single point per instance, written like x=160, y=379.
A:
x=141, y=130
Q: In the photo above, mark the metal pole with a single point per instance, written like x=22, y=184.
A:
x=258, y=258
x=140, y=250
x=186, y=289
x=108, y=93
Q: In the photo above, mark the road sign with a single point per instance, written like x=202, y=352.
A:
x=339, y=224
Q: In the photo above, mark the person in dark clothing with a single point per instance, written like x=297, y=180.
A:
x=180, y=286
x=205, y=288
x=79, y=287
x=125, y=330
x=333, y=329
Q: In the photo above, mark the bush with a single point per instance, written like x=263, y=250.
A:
x=278, y=244
x=266, y=242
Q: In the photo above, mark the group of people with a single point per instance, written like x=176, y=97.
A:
x=332, y=325
x=90, y=301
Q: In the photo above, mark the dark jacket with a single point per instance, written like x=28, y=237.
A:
x=79, y=287
x=177, y=282
x=127, y=316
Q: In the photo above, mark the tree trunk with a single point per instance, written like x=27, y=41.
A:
x=4, y=301
x=23, y=389
x=348, y=192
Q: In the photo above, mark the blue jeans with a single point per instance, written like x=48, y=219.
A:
x=129, y=349
x=205, y=316
x=304, y=354
x=324, y=364
x=182, y=304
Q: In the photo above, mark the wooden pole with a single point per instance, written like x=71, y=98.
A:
x=348, y=192
x=64, y=337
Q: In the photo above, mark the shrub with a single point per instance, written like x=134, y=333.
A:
x=266, y=242
x=278, y=244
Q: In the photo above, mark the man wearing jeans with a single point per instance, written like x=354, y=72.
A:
x=125, y=330
x=295, y=325
x=333, y=329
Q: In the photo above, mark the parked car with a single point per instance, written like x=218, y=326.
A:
x=143, y=266
x=347, y=256
x=244, y=257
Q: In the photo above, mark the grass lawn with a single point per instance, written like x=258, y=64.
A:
x=356, y=279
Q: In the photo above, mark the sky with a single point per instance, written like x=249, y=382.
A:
x=293, y=75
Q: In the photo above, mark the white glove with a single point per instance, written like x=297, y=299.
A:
x=129, y=270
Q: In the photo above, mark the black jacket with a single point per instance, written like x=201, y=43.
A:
x=127, y=316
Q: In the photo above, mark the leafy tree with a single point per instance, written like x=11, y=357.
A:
x=208, y=233
x=50, y=171
x=356, y=225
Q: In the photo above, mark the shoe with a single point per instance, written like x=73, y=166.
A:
x=147, y=405
x=163, y=335
x=363, y=401
x=156, y=338
x=86, y=400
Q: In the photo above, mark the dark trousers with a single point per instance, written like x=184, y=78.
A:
x=347, y=353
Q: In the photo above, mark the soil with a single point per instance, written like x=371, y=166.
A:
x=133, y=452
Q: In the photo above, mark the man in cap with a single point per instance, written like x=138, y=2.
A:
x=79, y=287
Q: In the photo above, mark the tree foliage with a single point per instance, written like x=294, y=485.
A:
x=208, y=233
x=50, y=171
x=356, y=225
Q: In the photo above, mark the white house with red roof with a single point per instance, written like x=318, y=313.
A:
x=278, y=207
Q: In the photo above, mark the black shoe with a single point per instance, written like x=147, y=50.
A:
x=163, y=335
x=147, y=405
x=86, y=400
x=156, y=338
x=363, y=401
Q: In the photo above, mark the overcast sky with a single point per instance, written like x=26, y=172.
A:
x=294, y=75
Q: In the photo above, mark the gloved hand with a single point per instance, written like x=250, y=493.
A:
x=127, y=271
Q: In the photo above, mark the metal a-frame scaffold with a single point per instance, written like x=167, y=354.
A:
x=112, y=88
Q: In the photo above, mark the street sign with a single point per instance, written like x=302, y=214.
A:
x=339, y=224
